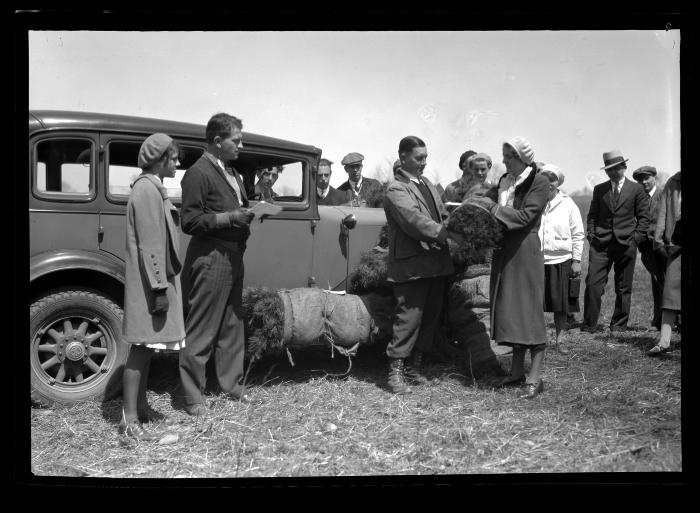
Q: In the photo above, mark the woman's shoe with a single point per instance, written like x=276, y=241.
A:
x=148, y=414
x=532, y=390
x=658, y=350
x=510, y=381
x=134, y=429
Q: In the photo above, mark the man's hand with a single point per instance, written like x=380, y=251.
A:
x=456, y=237
x=241, y=217
x=576, y=268
x=160, y=301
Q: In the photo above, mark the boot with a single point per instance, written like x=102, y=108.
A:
x=397, y=379
x=413, y=367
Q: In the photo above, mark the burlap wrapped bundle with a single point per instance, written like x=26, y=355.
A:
x=304, y=318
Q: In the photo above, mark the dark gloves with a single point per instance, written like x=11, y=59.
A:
x=160, y=301
x=240, y=217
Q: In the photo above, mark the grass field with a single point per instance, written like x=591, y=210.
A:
x=607, y=407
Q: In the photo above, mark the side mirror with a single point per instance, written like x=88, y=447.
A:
x=349, y=221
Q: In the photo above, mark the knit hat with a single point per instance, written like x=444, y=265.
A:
x=152, y=149
x=523, y=149
x=556, y=170
x=480, y=156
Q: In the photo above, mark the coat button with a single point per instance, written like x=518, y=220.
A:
x=157, y=272
x=152, y=255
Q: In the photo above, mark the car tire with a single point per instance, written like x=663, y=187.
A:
x=76, y=347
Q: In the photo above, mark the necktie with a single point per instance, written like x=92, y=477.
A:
x=616, y=193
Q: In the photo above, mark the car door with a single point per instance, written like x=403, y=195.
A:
x=62, y=198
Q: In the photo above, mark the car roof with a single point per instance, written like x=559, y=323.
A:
x=74, y=120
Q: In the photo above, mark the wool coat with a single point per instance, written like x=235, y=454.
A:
x=668, y=216
x=367, y=185
x=152, y=264
x=334, y=197
x=517, y=268
x=417, y=247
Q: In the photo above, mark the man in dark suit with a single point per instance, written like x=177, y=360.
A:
x=618, y=220
x=215, y=213
x=325, y=194
x=654, y=261
x=418, y=263
x=358, y=186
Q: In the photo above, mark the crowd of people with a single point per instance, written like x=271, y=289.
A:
x=194, y=305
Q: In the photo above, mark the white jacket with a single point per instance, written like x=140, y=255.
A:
x=561, y=230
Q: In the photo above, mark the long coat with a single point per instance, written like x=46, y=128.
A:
x=668, y=216
x=417, y=247
x=517, y=268
x=152, y=264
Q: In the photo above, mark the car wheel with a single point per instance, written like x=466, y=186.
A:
x=76, y=347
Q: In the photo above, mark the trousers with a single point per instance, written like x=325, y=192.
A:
x=213, y=286
x=417, y=317
x=622, y=259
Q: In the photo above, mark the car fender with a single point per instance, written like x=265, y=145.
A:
x=49, y=262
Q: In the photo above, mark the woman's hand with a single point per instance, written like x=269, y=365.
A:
x=576, y=268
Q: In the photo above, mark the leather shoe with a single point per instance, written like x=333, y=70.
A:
x=614, y=329
x=532, y=390
x=658, y=350
x=147, y=415
x=509, y=381
x=196, y=410
x=243, y=398
x=134, y=429
x=588, y=329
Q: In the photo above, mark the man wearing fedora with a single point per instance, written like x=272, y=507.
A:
x=358, y=185
x=654, y=261
x=617, y=222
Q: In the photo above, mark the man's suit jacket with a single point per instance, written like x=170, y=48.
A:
x=368, y=184
x=334, y=197
x=417, y=243
x=206, y=196
x=627, y=221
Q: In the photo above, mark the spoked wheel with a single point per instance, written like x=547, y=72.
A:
x=76, y=348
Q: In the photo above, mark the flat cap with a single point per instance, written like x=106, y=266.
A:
x=352, y=158
x=644, y=170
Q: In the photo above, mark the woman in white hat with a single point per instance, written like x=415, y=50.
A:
x=561, y=233
x=153, y=316
x=517, y=268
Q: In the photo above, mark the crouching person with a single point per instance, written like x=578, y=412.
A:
x=418, y=264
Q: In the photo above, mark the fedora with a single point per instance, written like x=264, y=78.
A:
x=613, y=158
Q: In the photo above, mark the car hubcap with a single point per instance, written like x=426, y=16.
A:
x=71, y=350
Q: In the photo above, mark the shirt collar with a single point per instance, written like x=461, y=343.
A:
x=622, y=180
x=355, y=185
x=215, y=160
x=652, y=191
x=414, y=179
x=323, y=192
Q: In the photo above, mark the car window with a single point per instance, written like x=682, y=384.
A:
x=287, y=176
x=64, y=167
x=122, y=168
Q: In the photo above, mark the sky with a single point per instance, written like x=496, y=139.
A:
x=572, y=94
